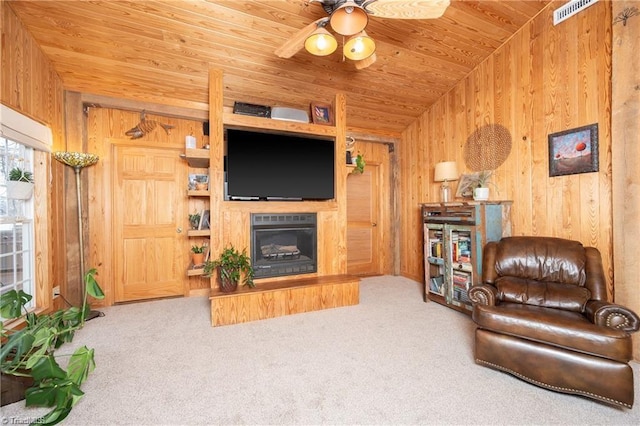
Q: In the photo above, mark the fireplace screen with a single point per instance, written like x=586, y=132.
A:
x=283, y=244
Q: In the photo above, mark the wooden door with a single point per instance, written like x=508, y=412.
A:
x=149, y=208
x=363, y=233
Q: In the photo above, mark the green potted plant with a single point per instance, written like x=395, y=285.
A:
x=231, y=265
x=194, y=220
x=480, y=184
x=360, y=163
x=30, y=351
x=197, y=254
x=20, y=184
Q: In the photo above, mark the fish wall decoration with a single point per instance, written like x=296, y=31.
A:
x=146, y=126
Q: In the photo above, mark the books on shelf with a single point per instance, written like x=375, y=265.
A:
x=436, y=284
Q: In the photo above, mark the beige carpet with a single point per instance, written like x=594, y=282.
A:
x=390, y=360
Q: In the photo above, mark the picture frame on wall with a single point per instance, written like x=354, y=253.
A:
x=321, y=114
x=574, y=151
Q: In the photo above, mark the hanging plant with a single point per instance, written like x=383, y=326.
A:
x=20, y=184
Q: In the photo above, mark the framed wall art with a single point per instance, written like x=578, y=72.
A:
x=321, y=114
x=574, y=151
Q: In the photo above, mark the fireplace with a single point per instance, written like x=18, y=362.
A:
x=283, y=244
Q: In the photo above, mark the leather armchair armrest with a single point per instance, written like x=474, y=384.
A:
x=611, y=315
x=483, y=294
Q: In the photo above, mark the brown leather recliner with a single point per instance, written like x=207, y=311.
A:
x=543, y=315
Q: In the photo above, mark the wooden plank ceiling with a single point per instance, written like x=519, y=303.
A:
x=160, y=51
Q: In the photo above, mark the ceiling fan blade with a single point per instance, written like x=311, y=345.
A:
x=296, y=42
x=364, y=63
x=406, y=9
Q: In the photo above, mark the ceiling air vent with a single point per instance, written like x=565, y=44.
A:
x=570, y=9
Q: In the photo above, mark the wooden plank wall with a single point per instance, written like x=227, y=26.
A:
x=545, y=79
x=28, y=84
x=626, y=153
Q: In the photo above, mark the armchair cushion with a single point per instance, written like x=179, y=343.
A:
x=563, y=329
x=547, y=294
x=551, y=259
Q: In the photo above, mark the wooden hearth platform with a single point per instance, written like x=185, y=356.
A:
x=272, y=299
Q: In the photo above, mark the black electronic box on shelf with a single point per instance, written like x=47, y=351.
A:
x=244, y=108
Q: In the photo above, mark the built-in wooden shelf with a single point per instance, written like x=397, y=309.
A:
x=199, y=232
x=197, y=158
x=270, y=299
x=192, y=272
x=246, y=121
x=198, y=193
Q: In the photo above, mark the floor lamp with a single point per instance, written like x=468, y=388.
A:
x=78, y=161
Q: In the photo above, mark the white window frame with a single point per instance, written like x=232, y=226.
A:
x=33, y=135
x=17, y=243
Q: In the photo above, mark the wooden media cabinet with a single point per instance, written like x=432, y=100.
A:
x=270, y=299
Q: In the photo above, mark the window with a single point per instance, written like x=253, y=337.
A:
x=17, y=259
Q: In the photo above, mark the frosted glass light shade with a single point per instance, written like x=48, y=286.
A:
x=359, y=47
x=76, y=159
x=321, y=43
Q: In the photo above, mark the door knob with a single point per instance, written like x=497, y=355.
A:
x=374, y=224
x=179, y=230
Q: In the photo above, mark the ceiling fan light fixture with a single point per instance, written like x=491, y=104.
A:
x=359, y=47
x=349, y=19
x=321, y=43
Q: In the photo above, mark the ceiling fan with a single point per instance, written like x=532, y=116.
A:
x=349, y=18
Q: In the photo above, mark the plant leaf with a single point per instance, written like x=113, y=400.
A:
x=92, y=286
x=22, y=342
x=47, y=368
x=12, y=302
x=80, y=365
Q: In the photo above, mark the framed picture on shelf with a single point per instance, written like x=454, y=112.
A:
x=574, y=151
x=321, y=114
x=466, y=185
x=198, y=182
x=205, y=220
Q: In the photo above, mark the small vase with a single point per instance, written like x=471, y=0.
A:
x=481, y=194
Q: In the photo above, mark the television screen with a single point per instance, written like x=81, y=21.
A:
x=270, y=166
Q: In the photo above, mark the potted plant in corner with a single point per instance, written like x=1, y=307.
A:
x=232, y=266
x=20, y=184
x=30, y=351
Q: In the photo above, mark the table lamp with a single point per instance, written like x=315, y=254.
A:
x=446, y=171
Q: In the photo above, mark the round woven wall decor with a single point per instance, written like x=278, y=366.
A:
x=487, y=148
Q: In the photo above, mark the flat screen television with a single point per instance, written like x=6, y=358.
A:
x=274, y=166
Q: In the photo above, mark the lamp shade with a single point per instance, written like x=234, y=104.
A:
x=445, y=171
x=359, y=47
x=76, y=159
x=349, y=19
x=321, y=42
